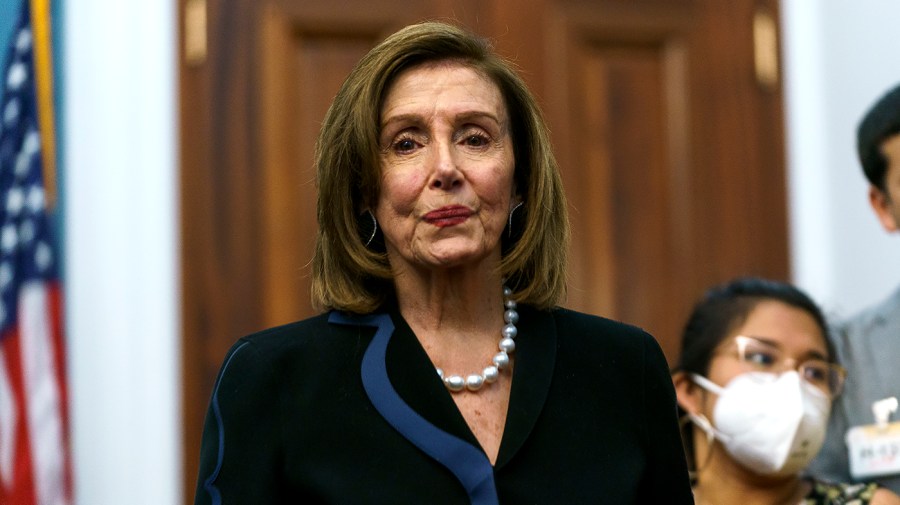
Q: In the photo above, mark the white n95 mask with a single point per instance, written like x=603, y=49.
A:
x=771, y=424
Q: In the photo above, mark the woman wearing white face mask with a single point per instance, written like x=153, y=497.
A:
x=755, y=381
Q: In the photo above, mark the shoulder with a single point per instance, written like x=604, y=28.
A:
x=291, y=345
x=596, y=330
x=885, y=314
x=606, y=343
x=313, y=332
x=573, y=320
x=304, y=328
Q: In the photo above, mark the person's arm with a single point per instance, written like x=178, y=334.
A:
x=241, y=436
x=885, y=496
x=665, y=479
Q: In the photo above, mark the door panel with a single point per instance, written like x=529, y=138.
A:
x=624, y=192
x=301, y=72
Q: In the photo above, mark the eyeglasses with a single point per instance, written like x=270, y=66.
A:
x=762, y=356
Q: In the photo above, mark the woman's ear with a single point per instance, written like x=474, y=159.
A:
x=688, y=394
x=515, y=198
x=884, y=209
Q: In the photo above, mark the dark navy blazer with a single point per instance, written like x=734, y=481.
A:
x=348, y=409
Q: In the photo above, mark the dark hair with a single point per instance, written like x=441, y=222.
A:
x=726, y=306
x=881, y=122
x=348, y=275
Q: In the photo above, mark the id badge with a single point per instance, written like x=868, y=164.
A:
x=874, y=450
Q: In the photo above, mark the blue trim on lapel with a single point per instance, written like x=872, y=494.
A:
x=469, y=464
x=214, y=495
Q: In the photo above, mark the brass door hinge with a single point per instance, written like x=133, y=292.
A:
x=195, y=32
x=765, y=48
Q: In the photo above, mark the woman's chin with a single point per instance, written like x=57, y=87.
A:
x=454, y=257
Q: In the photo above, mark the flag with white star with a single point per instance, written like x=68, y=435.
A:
x=34, y=438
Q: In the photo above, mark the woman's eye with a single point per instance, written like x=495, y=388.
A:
x=760, y=358
x=816, y=372
x=815, y=375
x=476, y=141
x=404, y=145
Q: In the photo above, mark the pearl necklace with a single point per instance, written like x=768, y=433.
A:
x=507, y=345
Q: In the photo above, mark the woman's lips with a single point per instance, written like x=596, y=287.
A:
x=448, y=216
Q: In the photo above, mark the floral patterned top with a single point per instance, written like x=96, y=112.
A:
x=827, y=493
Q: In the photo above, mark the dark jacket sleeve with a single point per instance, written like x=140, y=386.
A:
x=666, y=477
x=241, y=436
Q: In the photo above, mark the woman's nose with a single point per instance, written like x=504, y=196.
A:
x=445, y=171
x=789, y=364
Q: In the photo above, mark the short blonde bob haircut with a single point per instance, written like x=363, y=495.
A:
x=346, y=274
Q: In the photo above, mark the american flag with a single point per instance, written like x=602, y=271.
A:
x=35, y=466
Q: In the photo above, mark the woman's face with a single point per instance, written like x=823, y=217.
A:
x=774, y=338
x=887, y=203
x=790, y=331
x=447, y=168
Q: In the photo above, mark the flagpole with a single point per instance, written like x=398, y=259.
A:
x=43, y=69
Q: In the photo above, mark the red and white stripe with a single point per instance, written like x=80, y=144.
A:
x=35, y=466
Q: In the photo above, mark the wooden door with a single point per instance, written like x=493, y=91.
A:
x=666, y=118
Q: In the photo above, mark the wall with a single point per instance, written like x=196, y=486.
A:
x=840, y=57
x=122, y=249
